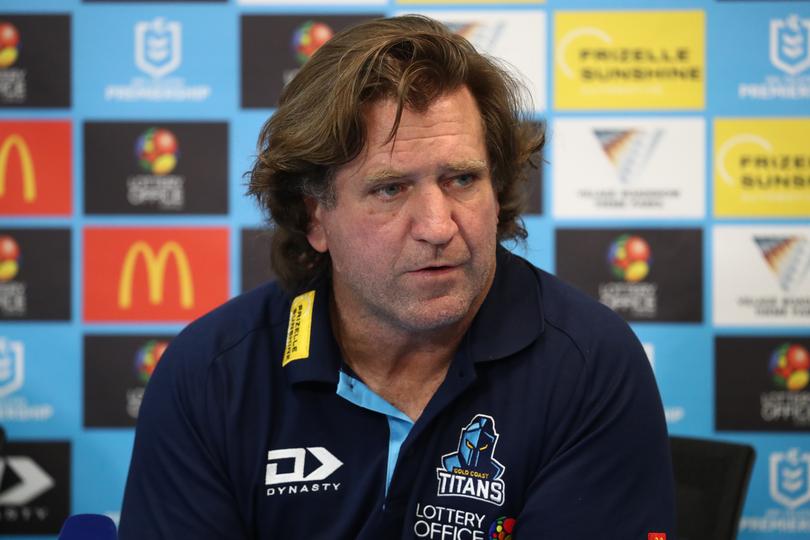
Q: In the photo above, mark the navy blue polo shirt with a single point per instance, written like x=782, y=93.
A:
x=548, y=425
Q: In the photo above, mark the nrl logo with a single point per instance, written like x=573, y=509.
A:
x=12, y=371
x=158, y=49
x=790, y=478
x=790, y=44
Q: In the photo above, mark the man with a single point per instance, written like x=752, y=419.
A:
x=408, y=377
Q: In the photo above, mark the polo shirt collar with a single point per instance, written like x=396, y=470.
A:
x=511, y=317
x=324, y=360
x=509, y=320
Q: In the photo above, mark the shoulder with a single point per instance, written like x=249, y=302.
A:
x=587, y=322
x=603, y=342
x=611, y=366
x=256, y=310
x=251, y=316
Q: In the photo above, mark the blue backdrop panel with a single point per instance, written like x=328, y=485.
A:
x=142, y=64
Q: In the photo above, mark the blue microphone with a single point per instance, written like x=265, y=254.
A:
x=88, y=527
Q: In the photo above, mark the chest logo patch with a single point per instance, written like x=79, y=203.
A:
x=472, y=471
x=293, y=461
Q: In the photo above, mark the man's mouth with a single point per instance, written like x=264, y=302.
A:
x=435, y=269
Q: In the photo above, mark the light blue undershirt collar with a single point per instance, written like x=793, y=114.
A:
x=399, y=425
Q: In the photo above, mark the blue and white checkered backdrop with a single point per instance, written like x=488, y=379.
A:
x=675, y=189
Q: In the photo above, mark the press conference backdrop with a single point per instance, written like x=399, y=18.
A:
x=675, y=189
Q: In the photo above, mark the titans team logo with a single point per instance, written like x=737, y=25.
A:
x=472, y=471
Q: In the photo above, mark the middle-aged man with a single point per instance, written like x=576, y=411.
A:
x=407, y=377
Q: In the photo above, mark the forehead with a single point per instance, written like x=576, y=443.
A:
x=452, y=109
x=450, y=129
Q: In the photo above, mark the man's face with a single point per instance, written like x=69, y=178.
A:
x=412, y=235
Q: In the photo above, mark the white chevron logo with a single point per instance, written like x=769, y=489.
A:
x=328, y=464
x=33, y=481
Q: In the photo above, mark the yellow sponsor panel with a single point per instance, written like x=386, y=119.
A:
x=762, y=167
x=636, y=60
x=17, y=143
x=299, y=328
x=155, y=273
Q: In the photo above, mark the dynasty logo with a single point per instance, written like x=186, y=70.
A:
x=157, y=151
x=295, y=482
x=472, y=471
x=34, y=487
x=629, y=259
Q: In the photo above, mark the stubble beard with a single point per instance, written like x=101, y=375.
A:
x=422, y=309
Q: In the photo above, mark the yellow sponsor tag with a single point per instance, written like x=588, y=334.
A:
x=762, y=167
x=299, y=329
x=636, y=60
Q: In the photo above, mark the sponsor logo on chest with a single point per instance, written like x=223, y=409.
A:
x=472, y=470
x=285, y=472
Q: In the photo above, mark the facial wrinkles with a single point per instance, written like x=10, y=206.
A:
x=392, y=160
x=391, y=283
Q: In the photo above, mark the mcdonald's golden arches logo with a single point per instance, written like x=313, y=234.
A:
x=154, y=274
x=34, y=154
x=29, y=181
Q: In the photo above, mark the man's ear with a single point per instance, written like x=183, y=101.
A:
x=316, y=235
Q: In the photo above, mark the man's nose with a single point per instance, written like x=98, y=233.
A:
x=432, y=215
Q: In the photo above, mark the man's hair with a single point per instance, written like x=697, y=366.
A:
x=319, y=125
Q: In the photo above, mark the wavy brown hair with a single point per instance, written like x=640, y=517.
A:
x=319, y=125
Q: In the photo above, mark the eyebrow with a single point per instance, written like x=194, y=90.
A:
x=386, y=175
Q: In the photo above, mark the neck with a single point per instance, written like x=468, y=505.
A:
x=403, y=367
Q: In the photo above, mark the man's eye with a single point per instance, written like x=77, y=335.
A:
x=389, y=190
x=464, y=180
